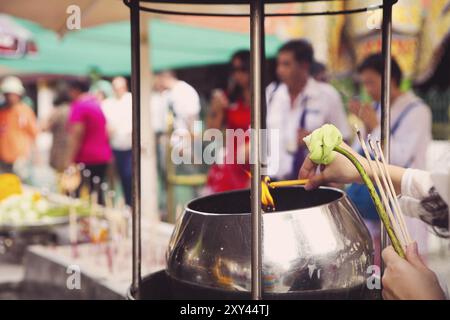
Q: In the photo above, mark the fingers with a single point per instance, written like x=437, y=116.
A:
x=387, y=294
x=315, y=181
x=307, y=170
x=390, y=256
x=413, y=257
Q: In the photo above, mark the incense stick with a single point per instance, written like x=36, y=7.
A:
x=392, y=190
x=287, y=183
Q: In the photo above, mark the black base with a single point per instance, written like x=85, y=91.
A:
x=159, y=286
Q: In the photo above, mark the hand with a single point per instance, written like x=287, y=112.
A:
x=219, y=99
x=409, y=279
x=340, y=171
x=369, y=116
x=365, y=112
x=354, y=105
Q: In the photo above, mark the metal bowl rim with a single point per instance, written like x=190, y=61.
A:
x=284, y=212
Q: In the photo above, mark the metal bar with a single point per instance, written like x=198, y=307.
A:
x=268, y=15
x=386, y=94
x=136, y=144
x=256, y=45
x=170, y=171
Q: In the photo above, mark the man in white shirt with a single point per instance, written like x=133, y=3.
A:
x=118, y=113
x=184, y=103
x=183, y=100
x=298, y=105
x=409, y=140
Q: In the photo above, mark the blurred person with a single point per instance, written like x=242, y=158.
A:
x=183, y=100
x=159, y=118
x=118, y=112
x=298, y=104
x=57, y=126
x=319, y=72
x=183, y=106
x=102, y=89
x=410, y=136
x=159, y=106
x=18, y=126
x=88, y=138
x=231, y=110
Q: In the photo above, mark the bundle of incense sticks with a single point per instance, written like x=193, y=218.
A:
x=379, y=169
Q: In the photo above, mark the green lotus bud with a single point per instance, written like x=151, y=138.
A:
x=321, y=143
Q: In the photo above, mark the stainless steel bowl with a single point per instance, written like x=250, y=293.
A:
x=315, y=240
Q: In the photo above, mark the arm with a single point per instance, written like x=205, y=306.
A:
x=31, y=123
x=50, y=122
x=416, y=186
x=216, y=112
x=342, y=171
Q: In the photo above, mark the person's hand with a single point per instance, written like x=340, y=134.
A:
x=365, y=112
x=354, y=105
x=369, y=116
x=410, y=278
x=219, y=99
x=339, y=171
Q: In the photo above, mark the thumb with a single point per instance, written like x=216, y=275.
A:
x=315, y=181
x=308, y=169
x=413, y=257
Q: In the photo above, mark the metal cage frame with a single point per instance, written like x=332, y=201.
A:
x=257, y=42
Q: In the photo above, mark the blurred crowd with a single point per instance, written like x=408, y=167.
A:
x=92, y=125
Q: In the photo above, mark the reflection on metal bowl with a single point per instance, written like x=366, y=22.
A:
x=314, y=243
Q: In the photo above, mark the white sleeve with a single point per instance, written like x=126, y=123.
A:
x=192, y=102
x=416, y=183
x=415, y=186
x=186, y=102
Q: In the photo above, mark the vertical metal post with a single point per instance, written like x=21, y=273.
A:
x=386, y=39
x=136, y=144
x=256, y=45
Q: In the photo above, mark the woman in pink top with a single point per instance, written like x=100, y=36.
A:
x=88, y=139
